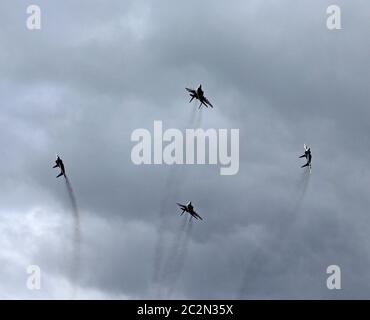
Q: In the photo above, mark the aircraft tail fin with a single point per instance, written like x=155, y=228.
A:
x=60, y=174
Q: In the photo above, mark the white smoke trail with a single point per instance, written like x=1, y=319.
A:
x=170, y=262
x=176, y=258
x=283, y=235
x=171, y=187
x=177, y=243
x=76, y=237
x=302, y=188
x=193, y=116
x=180, y=257
x=173, y=183
x=198, y=119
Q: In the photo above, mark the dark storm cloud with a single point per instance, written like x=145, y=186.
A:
x=98, y=70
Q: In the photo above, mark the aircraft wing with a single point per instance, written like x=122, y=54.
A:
x=181, y=206
x=191, y=90
x=196, y=215
x=207, y=102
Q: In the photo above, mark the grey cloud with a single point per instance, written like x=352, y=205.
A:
x=98, y=70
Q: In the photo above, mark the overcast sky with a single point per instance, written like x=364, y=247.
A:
x=97, y=70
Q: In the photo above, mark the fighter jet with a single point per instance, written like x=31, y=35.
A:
x=189, y=209
x=307, y=154
x=59, y=164
x=199, y=95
